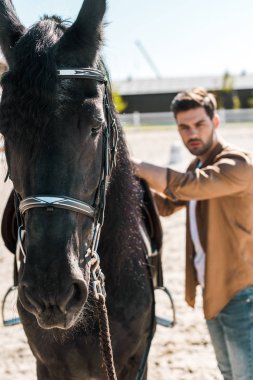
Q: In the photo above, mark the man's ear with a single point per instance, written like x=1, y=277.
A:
x=216, y=120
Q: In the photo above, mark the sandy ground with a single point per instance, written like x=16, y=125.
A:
x=181, y=353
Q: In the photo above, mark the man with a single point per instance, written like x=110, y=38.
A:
x=217, y=190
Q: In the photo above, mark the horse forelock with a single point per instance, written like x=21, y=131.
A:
x=29, y=99
x=40, y=36
x=35, y=57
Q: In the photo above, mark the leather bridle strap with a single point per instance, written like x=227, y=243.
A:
x=51, y=202
x=82, y=73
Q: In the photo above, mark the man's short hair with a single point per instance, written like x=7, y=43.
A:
x=197, y=97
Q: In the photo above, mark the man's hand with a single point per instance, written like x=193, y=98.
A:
x=156, y=176
x=136, y=162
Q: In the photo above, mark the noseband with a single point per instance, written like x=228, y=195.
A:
x=95, y=212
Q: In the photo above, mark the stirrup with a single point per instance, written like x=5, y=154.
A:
x=165, y=322
x=12, y=321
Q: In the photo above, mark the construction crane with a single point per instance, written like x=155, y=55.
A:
x=148, y=59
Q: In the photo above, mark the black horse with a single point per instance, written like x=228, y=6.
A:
x=62, y=137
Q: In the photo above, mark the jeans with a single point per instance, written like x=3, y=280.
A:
x=232, y=337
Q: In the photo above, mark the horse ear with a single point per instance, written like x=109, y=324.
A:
x=82, y=40
x=11, y=29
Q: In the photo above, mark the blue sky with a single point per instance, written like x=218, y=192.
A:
x=183, y=37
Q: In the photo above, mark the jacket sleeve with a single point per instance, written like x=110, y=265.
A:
x=228, y=175
x=166, y=206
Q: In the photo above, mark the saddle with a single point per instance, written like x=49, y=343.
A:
x=151, y=229
x=9, y=225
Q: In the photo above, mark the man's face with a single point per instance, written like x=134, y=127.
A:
x=197, y=130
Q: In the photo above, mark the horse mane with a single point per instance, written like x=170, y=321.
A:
x=124, y=190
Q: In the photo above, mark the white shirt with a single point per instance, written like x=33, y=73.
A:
x=200, y=257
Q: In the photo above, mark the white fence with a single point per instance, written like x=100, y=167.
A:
x=236, y=116
x=167, y=118
x=157, y=118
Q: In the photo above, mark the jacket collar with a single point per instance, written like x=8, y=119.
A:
x=210, y=159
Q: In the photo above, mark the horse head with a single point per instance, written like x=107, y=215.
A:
x=54, y=126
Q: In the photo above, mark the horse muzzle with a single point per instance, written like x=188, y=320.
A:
x=61, y=310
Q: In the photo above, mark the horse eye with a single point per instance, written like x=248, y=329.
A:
x=95, y=130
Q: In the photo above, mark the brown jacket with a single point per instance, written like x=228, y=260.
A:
x=224, y=187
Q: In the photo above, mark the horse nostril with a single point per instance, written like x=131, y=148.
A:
x=75, y=297
x=28, y=300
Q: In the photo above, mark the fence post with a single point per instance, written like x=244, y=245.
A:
x=136, y=119
x=175, y=153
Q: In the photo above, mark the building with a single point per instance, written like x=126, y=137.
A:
x=155, y=95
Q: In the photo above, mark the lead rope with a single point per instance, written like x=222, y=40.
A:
x=100, y=298
x=105, y=338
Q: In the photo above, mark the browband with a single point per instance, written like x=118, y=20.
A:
x=83, y=74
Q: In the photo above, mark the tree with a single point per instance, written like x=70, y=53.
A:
x=229, y=98
x=119, y=102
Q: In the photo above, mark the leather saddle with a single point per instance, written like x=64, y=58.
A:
x=152, y=228
x=9, y=225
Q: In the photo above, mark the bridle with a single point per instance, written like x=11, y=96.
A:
x=96, y=211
